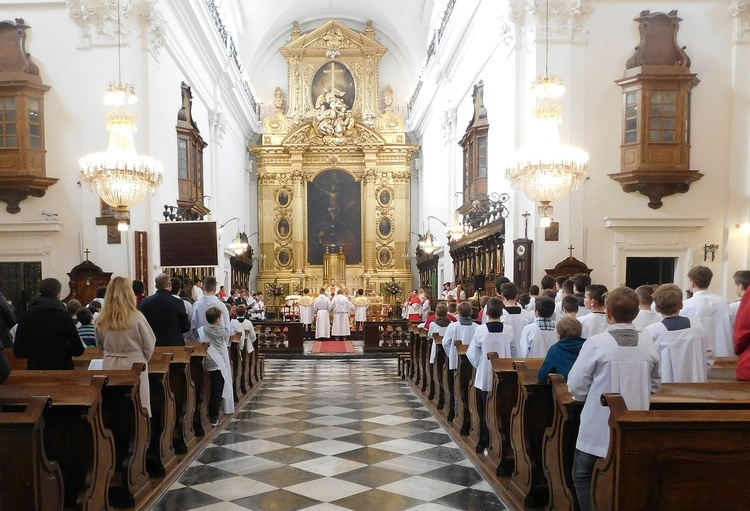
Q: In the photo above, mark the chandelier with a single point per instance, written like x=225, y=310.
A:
x=120, y=176
x=545, y=170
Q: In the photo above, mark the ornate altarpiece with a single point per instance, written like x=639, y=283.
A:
x=334, y=167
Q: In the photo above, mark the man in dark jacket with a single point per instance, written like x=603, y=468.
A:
x=46, y=333
x=165, y=313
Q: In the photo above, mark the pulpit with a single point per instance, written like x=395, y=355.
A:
x=84, y=281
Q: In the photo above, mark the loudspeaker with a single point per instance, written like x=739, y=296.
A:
x=479, y=282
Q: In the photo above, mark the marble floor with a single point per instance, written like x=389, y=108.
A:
x=332, y=435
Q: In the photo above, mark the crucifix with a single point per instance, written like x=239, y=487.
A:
x=570, y=248
x=87, y=252
x=526, y=224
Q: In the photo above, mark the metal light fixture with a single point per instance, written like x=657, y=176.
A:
x=120, y=176
x=545, y=170
x=239, y=243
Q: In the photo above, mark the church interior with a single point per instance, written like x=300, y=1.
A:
x=390, y=145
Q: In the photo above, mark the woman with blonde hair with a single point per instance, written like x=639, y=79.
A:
x=124, y=334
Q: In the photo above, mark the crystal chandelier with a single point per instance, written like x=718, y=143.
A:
x=545, y=170
x=120, y=176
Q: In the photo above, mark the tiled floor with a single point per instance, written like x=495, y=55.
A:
x=331, y=435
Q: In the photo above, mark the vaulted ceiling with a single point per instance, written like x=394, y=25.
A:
x=402, y=25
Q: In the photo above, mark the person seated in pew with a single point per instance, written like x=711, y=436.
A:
x=646, y=316
x=46, y=334
x=217, y=364
x=124, y=335
x=462, y=330
x=86, y=329
x=493, y=336
x=537, y=337
x=563, y=354
x=685, y=350
x=620, y=360
x=438, y=326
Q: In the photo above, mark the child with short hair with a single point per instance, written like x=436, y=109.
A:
x=513, y=314
x=242, y=328
x=533, y=295
x=563, y=354
x=495, y=337
x=596, y=321
x=741, y=282
x=86, y=328
x=537, y=337
x=463, y=331
x=646, y=316
x=569, y=308
x=217, y=364
x=618, y=360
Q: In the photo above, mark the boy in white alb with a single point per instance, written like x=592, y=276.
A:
x=306, y=312
x=566, y=289
x=513, y=314
x=463, y=331
x=596, y=321
x=438, y=326
x=539, y=336
x=244, y=327
x=496, y=337
x=712, y=310
x=685, y=351
x=323, y=321
x=619, y=360
x=646, y=316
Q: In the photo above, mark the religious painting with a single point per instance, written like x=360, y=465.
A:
x=284, y=257
x=283, y=228
x=333, y=82
x=384, y=227
x=384, y=197
x=283, y=198
x=334, y=210
x=552, y=233
x=384, y=256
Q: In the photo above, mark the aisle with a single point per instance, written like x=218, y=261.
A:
x=327, y=435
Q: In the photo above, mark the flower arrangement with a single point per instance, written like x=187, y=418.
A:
x=393, y=288
x=275, y=289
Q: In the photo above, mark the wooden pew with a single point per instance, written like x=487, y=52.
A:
x=235, y=361
x=160, y=456
x=202, y=386
x=440, y=375
x=123, y=414
x=74, y=437
x=724, y=369
x=559, y=447
x=560, y=438
x=462, y=379
x=673, y=460
x=245, y=378
x=425, y=345
x=415, y=352
x=531, y=417
x=500, y=404
x=31, y=480
x=426, y=370
x=183, y=389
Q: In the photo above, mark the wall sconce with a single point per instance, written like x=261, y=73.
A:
x=710, y=249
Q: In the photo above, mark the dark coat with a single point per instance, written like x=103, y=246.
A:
x=47, y=336
x=7, y=320
x=167, y=317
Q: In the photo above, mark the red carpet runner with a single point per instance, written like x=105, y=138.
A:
x=332, y=347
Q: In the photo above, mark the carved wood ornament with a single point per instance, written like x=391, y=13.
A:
x=22, y=152
x=656, y=88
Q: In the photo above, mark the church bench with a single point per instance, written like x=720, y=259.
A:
x=202, y=387
x=530, y=419
x=74, y=437
x=160, y=456
x=388, y=336
x=246, y=382
x=723, y=369
x=123, y=415
x=425, y=372
x=31, y=481
x=439, y=371
x=462, y=379
x=560, y=437
x=235, y=361
x=183, y=390
x=673, y=460
x=280, y=336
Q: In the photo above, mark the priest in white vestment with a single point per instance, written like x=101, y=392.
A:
x=341, y=307
x=323, y=322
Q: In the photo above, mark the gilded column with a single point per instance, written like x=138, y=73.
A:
x=299, y=205
x=368, y=220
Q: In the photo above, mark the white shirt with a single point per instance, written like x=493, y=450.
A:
x=605, y=366
x=454, y=332
x=517, y=322
x=646, y=318
x=592, y=324
x=714, y=313
x=535, y=342
x=686, y=355
x=201, y=306
x=484, y=342
x=196, y=293
x=435, y=329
